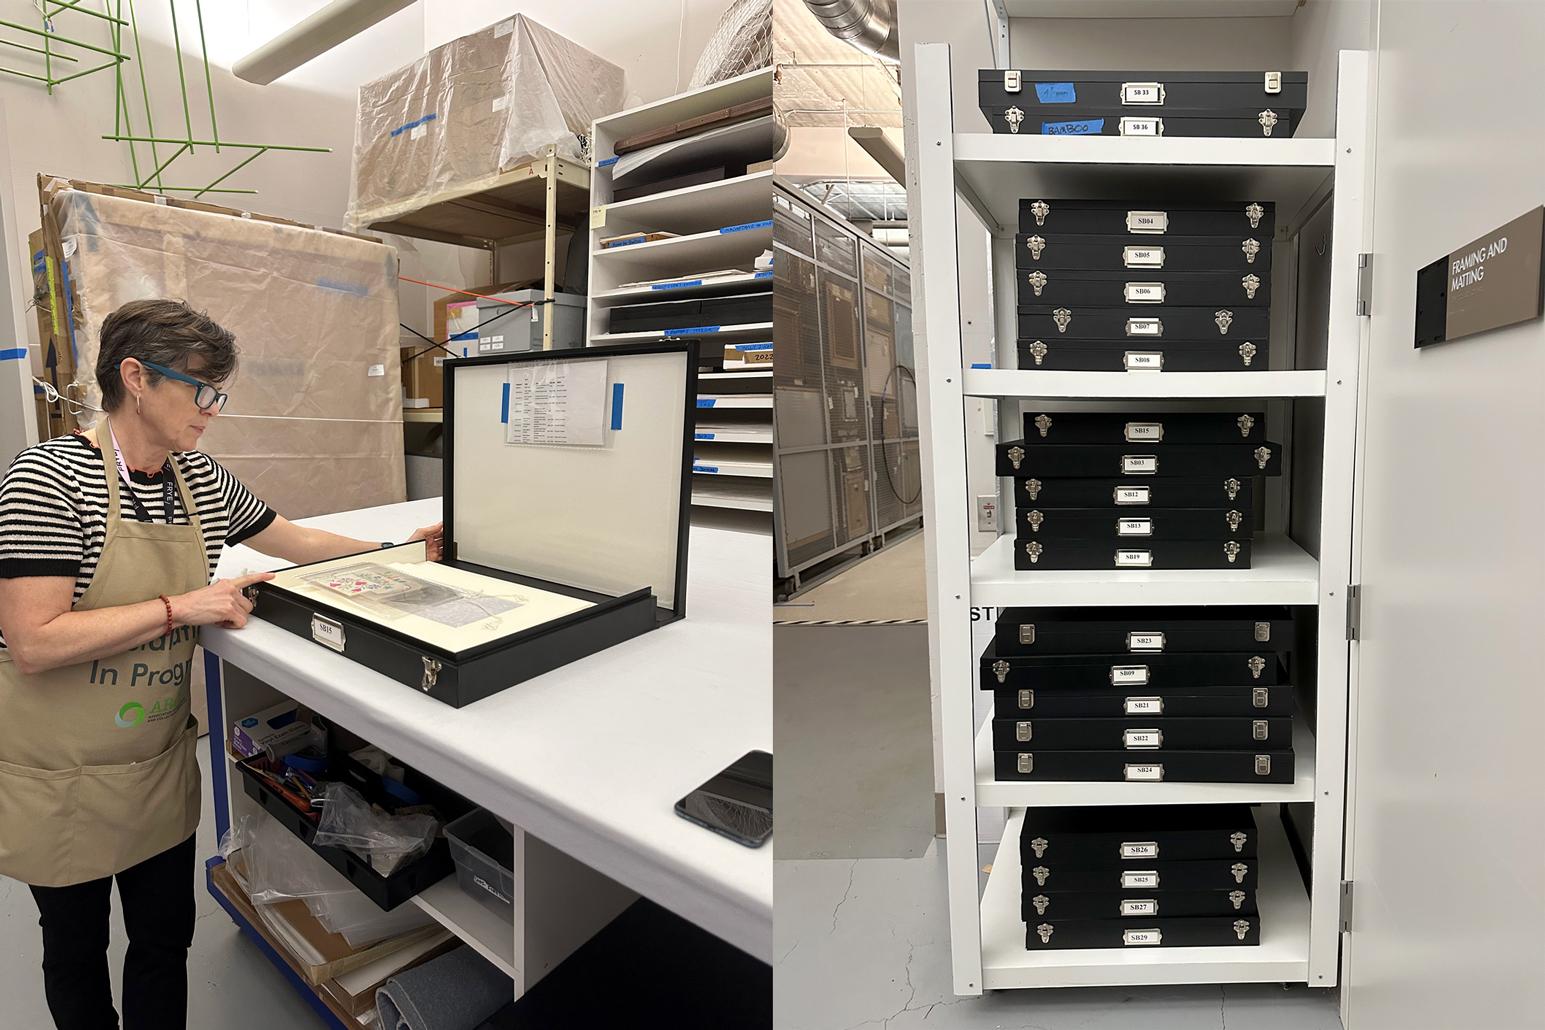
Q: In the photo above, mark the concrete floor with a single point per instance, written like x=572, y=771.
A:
x=230, y=985
x=886, y=585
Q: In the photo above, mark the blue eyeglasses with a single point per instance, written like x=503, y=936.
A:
x=204, y=394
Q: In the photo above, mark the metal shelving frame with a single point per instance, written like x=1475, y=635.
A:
x=1301, y=939
x=878, y=275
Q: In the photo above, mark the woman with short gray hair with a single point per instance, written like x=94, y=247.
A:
x=108, y=542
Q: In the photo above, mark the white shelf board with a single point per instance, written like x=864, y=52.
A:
x=722, y=401
x=423, y=414
x=991, y=793
x=731, y=493
x=748, y=374
x=1152, y=8
x=682, y=107
x=491, y=937
x=695, y=252
x=1281, y=573
x=1001, y=168
x=745, y=283
x=691, y=209
x=747, y=469
x=736, y=332
x=1015, y=382
x=1281, y=957
x=746, y=434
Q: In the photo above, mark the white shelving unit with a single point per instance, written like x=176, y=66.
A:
x=1301, y=928
x=719, y=226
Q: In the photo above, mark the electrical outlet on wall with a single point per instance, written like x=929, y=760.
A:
x=987, y=513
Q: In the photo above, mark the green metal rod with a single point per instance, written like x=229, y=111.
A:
x=121, y=101
x=88, y=71
x=62, y=39
x=180, y=189
x=210, y=143
x=48, y=58
x=198, y=7
x=144, y=87
x=155, y=174
x=75, y=5
x=187, y=116
x=25, y=75
x=35, y=49
x=230, y=173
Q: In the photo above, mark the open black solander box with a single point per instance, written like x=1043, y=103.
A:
x=600, y=523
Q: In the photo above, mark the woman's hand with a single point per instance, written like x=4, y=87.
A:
x=434, y=539
x=221, y=603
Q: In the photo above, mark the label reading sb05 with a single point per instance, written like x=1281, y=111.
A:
x=1139, y=938
x=1142, y=257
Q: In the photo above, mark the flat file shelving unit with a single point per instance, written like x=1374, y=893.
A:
x=717, y=225
x=1305, y=560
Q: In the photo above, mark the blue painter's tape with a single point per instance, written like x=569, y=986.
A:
x=705, y=468
x=625, y=243
x=763, y=275
x=706, y=402
x=464, y=354
x=616, y=405
x=981, y=364
x=415, y=123
x=470, y=334
x=702, y=436
x=747, y=226
x=356, y=289
x=606, y=162
x=69, y=312
x=753, y=346
x=1087, y=127
x=504, y=403
x=1056, y=93
x=15, y=354
x=677, y=286
x=692, y=331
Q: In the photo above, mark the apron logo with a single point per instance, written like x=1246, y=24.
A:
x=130, y=715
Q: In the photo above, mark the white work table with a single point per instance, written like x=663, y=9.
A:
x=590, y=758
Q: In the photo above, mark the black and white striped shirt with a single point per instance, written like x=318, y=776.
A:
x=53, y=509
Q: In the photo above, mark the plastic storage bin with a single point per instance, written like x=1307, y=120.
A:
x=484, y=852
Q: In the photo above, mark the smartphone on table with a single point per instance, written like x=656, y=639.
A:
x=736, y=803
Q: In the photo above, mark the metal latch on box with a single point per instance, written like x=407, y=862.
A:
x=1012, y=82
x=431, y=674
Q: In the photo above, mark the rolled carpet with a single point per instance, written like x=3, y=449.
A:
x=457, y=991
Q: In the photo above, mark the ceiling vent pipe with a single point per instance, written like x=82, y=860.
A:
x=869, y=25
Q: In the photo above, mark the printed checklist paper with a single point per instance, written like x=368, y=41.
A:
x=559, y=403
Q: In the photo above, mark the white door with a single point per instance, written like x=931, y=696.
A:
x=1447, y=843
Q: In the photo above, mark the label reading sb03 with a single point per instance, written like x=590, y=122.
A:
x=1139, y=464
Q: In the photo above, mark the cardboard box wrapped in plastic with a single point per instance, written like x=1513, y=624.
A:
x=452, y=122
x=314, y=421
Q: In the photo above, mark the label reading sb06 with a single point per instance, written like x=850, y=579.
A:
x=1144, y=293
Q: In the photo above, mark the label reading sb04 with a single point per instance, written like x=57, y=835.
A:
x=1147, y=221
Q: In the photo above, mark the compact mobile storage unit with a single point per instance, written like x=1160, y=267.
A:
x=1306, y=384
x=546, y=516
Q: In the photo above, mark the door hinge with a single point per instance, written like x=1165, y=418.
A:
x=1346, y=906
x=1354, y=611
x=1364, y=283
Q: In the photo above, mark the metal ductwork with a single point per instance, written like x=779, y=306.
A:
x=869, y=25
x=328, y=27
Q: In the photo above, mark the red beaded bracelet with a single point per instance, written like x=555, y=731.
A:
x=168, y=604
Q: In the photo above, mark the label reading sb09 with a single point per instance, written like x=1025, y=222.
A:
x=1128, y=675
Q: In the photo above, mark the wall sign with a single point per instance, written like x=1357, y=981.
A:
x=1488, y=283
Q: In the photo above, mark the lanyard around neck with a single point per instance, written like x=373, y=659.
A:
x=168, y=484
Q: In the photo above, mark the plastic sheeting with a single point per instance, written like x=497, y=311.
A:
x=742, y=42
x=314, y=422
x=451, y=122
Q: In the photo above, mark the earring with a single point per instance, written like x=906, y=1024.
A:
x=136, y=404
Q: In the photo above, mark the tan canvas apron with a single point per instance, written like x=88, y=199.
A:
x=98, y=761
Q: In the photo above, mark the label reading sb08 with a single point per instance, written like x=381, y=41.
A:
x=1144, y=361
